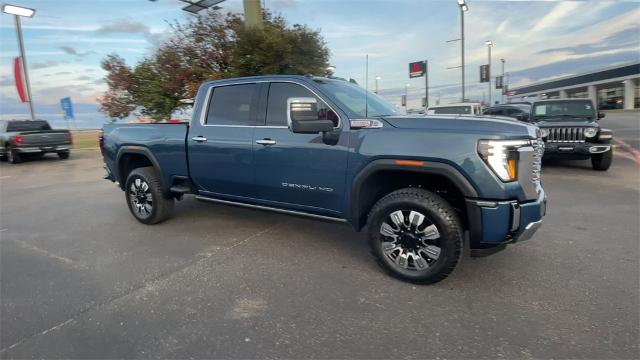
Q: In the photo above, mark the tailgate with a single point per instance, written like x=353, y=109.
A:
x=51, y=137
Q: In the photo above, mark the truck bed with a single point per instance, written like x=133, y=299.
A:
x=164, y=141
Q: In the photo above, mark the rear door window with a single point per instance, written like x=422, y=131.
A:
x=233, y=105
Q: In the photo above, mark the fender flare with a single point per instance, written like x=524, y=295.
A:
x=417, y=166
x=140, y=150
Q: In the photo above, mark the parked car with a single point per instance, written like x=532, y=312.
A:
x=516, y=111
x=416, y=111
x=570, y=130
x=456, y=109
x=311, y=146
x=20, y=138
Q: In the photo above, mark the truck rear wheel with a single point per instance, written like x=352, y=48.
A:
x=13, y=156
x=602, y=161
x=415, y=235
x=145, y=198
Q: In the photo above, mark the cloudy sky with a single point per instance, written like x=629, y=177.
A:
x=67, y=39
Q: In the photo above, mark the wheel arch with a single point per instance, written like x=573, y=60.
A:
x=383, y=176
x=132, y=157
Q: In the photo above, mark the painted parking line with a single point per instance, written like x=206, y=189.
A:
x=635, y=154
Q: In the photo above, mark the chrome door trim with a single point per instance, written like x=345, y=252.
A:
x=268, y=208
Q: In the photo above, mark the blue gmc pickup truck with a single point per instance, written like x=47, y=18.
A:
x=326, y=148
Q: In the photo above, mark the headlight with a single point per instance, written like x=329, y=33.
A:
x=544, y=132
x=590, y=132
x=502, y=156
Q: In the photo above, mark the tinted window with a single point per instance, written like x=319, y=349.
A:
x=277, y=103
x=232, y=105
x=493, y=112
x=27, y=126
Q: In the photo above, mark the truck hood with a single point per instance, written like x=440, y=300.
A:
x=462, y=124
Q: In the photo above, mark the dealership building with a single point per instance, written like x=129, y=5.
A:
x=612, y=88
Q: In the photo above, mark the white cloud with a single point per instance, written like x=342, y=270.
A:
x=555, y=16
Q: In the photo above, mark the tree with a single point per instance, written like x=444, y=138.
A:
x=117, y=102
x=211, y=46
x=278, y=49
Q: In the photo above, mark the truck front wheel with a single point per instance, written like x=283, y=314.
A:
x=415, y=235
x=143, y=192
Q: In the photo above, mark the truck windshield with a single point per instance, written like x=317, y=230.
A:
x=352, y=97
x=27, y=125
x=557, y=110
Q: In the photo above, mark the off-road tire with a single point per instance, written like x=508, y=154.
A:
x=439, y=213
x=602, y=162
x=161, y=206
x=64, y=155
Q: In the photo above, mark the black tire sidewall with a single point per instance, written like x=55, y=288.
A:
x=136, y=174
x=450, y=244
x=603, y=161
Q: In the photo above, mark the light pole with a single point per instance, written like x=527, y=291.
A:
x=406, y=95
x=503, y=88
x=17, y=12
x=489, y=44
x=377, y=78
x=463, y=8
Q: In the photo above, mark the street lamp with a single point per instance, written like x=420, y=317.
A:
x=377, y=78
x=489, y=44
x=463, y=8
x=17, y=12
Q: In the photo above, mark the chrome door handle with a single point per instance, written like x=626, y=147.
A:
x=266, y=142
x=199, y=138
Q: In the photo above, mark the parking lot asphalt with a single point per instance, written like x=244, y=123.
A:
x=80, y=278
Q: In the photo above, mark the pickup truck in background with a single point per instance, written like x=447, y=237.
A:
x=325, y=148
x=20, y=138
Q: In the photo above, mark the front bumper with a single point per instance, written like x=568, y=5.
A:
x=499, y=222
x=584, y=149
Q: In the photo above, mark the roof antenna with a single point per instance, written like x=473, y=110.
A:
x=366, y=82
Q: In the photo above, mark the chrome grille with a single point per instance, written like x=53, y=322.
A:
x=566, y=134
x=536, y=168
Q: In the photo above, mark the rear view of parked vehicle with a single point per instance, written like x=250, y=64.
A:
x=23, y=138
x=456, y=109
x=516, y=111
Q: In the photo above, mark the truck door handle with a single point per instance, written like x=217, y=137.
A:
x=199, y=138
x=266, y=142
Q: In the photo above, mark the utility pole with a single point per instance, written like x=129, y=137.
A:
x=463, y=7
x=503, y=88
x=426, y=84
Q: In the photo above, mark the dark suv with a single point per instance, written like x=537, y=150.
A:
x=570, y=130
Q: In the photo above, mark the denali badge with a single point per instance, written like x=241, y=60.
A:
x=306, y=187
